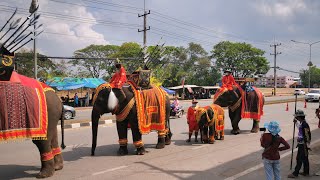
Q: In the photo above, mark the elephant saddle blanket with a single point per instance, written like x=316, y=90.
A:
x=218, y=116
x=151, y=109
x=252, y=104
x=23, y=108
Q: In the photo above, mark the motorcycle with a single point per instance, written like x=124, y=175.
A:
x=176, y=113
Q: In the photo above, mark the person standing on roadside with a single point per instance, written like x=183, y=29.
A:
x=271, y=143
x=304, y=139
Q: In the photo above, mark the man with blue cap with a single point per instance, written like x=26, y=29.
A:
x=271, y=143
x=304, y=139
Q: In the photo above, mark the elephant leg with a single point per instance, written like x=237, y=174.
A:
x=196, y=136
x=122, y=134
x=211, y=134
x=255, y=126
x=205, y=134
x=235, y=119
x=56, y=151
x=168, y=137
x=47, y=159
x=161, y=139
x=222, y=135
x=137, y=138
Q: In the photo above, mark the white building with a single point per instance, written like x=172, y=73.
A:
x=282, y=81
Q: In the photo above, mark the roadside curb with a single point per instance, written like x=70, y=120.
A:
x=87, y=124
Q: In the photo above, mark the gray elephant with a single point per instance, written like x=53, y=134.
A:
x=127, y=102
x=233, y=99
x=50, y=153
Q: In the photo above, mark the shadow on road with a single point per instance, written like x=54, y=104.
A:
x=13, y=171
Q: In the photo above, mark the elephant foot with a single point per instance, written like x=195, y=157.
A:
x=161, y=143
x=188, y=140
x=222, y=138
x=123, y=150
x=168, y=138
x=255, y=127
x=254, y=130
x=58, y=162
x=235, y=132
x=47, y=169
x=141, y=151
x=211, y=142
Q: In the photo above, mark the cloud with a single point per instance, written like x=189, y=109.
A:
x=284, y=9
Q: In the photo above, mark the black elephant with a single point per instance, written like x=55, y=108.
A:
x=211, y=123
x=50, y=152
x=125, y=102
x=241, y=104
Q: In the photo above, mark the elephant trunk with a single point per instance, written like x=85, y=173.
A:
x=95, y=116
x=62, y=129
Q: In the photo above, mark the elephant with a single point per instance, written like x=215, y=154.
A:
x=211, y=123
x=123, y=97
x=233, y=100
x=50, y=152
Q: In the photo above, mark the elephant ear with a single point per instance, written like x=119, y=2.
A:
x=112, y=100
x=119, y=94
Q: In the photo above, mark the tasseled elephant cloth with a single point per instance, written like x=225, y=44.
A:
x=218, y=116
x=252, y=104
x=151, y=112
x=23, y=108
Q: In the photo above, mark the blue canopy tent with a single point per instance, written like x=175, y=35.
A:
x=74, y=83
x=168, y=90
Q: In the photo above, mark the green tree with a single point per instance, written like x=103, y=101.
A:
x=46, y=67
x=245, y=59
x=314, y=76
x=96, y=68
x=130, y=50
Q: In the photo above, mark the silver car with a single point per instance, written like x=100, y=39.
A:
x=69, y=112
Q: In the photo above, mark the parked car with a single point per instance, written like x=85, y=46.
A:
x=299, y=92
x=313, y=95
x=69, y=112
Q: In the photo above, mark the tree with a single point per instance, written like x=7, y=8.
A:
x=46, y=67
x=96, y=68
x=245, y=59
x=314, y=76
x=130, y=50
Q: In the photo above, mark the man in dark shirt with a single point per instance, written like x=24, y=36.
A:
x=304, y=139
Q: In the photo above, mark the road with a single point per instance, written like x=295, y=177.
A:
x=236, y=157
x=85, y=113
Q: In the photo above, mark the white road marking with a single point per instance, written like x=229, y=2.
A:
x=201, y=146
x=109, y=170
x=254, y=168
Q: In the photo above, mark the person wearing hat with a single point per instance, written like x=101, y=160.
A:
x=304, y=139
x=271, y=143
x=228, y=80
x=119, y=77
x=191, y=120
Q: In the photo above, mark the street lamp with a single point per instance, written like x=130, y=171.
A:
x=309, y=63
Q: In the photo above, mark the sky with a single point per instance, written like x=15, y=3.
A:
x=70, y=25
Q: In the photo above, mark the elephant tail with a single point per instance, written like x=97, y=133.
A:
x=62, y=129
x=95, y=116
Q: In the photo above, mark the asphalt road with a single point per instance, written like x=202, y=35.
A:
x=180, y=160
x=85, y=113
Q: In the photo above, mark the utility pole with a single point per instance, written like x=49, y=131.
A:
x=274, y=45
x=32, y=8
x=145, y=29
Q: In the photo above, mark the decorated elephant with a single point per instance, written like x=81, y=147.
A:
x=211, y=123
x=142, y=110
x=241, y=104
x=30, y=109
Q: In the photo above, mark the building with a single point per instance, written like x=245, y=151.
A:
x=261, y=82
x=282, y=81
